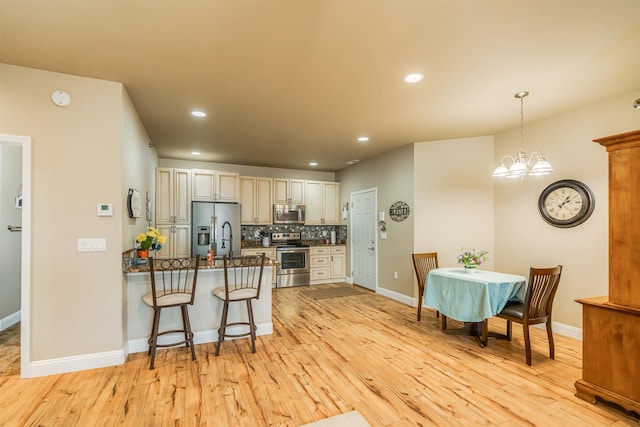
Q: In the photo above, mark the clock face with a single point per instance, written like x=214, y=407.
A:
x=566, y=203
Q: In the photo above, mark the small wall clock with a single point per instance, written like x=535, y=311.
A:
x=566, y=203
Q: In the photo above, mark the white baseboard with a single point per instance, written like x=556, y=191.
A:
x=558, y=328
x=10, y=320
x=117, y=357
x=63, y=365
x=140, y=345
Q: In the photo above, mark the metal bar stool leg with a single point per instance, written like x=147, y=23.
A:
x=223, y=327
x=153, y=341
x=252, y=326
x=187, y=331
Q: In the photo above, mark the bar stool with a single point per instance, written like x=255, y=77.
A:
x=242, y=281
x=173, y=284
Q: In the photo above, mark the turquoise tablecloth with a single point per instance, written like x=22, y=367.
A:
x=472, y=297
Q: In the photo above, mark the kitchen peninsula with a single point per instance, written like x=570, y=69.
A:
x=205, y=314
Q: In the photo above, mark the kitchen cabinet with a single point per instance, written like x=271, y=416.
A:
x=173, y=196
x=323, y=203
x=178, y=244
x=269, y=253
x=338, y=262
x=327, y=264
x=288, y=191
x=256, y=198
x=215, y=186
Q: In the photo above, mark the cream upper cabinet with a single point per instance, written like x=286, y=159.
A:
x=288, y=191
x=173, y=196
x=323, y=202
x=215, y=186
x=256, y=198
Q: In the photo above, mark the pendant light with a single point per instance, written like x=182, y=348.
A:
x=522, y=166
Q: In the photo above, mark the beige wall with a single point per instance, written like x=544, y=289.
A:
x=76, y=301
x=10, y=181
x=139, y=162
x=523, y=239
x=454, y=198
x=392, y=175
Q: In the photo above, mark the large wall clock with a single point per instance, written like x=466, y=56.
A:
x=566, y=203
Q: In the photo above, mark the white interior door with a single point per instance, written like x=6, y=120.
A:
x=363, y=238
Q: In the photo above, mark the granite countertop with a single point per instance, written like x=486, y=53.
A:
x=217, y=264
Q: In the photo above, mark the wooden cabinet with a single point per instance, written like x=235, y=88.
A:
x=215, y=186
x=269, y=253
x=178, y=244
x=323, y=203
x=288, y=191
x=611, y=325
x=173, y=211
x=173, y=196
x=338, y=262
x=327, y=264
x=256, y=198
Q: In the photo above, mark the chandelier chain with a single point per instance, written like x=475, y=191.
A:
x=522, y=124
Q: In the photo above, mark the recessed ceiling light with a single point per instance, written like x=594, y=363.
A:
x=351, y=162
x=313, y=164
x=413, y=78
x=195, y=153
x=363, y=138
x=198, y=113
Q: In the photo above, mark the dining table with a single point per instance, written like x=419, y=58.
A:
x=472, y=297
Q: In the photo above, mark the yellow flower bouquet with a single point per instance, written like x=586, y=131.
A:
x=152, y=239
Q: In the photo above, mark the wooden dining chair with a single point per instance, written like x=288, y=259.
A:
x=423, y=263
x=242, y=282
x=537, y=306
x=173, y=284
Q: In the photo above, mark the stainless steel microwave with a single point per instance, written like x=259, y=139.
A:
x=288, y=214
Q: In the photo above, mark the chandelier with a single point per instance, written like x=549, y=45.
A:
x=522, y=166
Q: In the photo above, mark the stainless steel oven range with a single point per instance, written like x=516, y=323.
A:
x=293, y=258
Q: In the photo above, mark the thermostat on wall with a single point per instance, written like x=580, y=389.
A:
x=105, y=209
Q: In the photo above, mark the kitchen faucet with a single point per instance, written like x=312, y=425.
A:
x=230, y=239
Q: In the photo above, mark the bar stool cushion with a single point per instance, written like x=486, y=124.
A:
x=235, y=294
x=167, y=299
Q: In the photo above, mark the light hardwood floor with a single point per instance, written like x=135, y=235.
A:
x=325, y=357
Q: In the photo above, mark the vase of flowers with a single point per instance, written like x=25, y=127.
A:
x=151, y=240
x=471, y=259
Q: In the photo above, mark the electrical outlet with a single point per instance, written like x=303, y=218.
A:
x=395, y=275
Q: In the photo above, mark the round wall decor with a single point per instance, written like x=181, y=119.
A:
x=566, y=203
x=399, y=211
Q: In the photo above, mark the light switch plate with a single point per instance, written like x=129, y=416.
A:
x=92, y=245
x=383, y=235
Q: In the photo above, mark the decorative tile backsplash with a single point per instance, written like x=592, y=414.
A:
x=308, y=232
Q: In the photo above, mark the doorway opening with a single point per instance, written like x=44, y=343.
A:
x=23, y=199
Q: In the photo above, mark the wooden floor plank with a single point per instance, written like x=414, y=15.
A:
x=325, y=357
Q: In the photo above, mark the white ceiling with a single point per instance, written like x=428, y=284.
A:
x=293, y=81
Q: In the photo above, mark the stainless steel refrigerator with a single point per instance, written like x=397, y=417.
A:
x=216, y=224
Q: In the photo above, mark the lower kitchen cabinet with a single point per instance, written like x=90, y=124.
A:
x=178, y=244
x=328, y=264
x=269, y=253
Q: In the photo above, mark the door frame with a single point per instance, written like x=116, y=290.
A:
x=375, y=231
x=25, y=267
